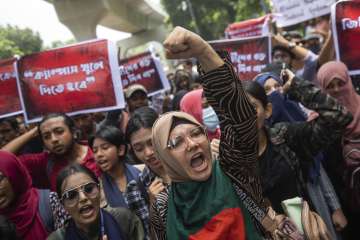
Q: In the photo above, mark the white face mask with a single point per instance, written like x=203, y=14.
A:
x=210, y=120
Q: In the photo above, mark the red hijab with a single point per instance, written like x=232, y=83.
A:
x=23, y=211
x=191, y=103
x=348, y=98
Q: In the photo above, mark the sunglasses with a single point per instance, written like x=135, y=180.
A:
x=71, y=196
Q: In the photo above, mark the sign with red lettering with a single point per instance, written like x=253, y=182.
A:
x=144, y=69
x=9, y=96
x=346, y=28
x=249, y=28
x=76, y=79
x=249, y=55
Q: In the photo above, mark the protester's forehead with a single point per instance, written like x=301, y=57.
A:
x=181, y=129
x=141, y=135
x=137, y=94
x=52, y=123
x=100, y=141
x=280, y=51
x=74, y=180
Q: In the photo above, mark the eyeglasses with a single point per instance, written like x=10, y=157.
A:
x=71, y=196
x=179, y=144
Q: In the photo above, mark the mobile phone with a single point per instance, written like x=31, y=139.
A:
x=284, y=76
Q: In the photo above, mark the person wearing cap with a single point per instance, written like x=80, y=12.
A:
x=294, y=36
x=136, y=97
x=301, y=60
x=312, y=42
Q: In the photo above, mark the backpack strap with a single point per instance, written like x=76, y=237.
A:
x=46, y=213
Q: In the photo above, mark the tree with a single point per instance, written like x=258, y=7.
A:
x=17, y=41
x=8, y=48
x=58, y=43
x=212, y=17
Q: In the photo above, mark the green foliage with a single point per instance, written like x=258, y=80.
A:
x=8, y=48
x=212, y=16
x=58, y=43
x=17, y=41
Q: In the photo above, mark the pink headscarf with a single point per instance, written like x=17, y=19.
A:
x=191, y=103
x=23, y=211
x=347, y=97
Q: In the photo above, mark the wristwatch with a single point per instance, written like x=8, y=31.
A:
x=291, y=45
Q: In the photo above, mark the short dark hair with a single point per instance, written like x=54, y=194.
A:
x=12, y=122
x=257, y=91
x=143, y=117
x=70, y=170
x=181, y=74
x=69, y=122
x=110, y=134
x=283, y=49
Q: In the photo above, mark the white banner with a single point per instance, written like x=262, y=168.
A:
x=291, y=12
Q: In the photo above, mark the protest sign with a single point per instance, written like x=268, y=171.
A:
x=249, y=28
x=249, y=56
x=290, y=12
x=9, y=97
x=76, y=79
x=146, y=70
x=346, y=29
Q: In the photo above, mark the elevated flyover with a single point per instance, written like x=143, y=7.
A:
x=142, y=18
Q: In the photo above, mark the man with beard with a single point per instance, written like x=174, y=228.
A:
x=59, y=136
x=86, y=124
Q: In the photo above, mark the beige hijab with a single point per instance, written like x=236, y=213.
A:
x=160, y=137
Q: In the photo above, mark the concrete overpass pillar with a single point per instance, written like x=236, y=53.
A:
x=80, y=16
x=156, y=34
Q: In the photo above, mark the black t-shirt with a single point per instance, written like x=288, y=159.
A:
x=277, y=179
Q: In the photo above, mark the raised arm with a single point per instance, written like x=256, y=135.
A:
x=311, y=137
x=224, y=92
x=221, y=85
x=327, y=52
x=18, y=143
x=182, y=44
x=300, y=52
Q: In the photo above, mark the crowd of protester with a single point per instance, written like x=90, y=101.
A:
x=218, y=161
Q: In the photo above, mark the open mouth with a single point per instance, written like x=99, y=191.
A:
x=153, y=161
x=103, y=163
x=87, y=210
x=58, y=148
x=198, y=162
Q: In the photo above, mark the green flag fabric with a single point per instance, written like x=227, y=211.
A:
x=208, y=210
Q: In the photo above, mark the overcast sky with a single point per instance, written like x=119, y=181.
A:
x=40, y=16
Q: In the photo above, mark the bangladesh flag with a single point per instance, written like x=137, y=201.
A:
x=208, y=210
